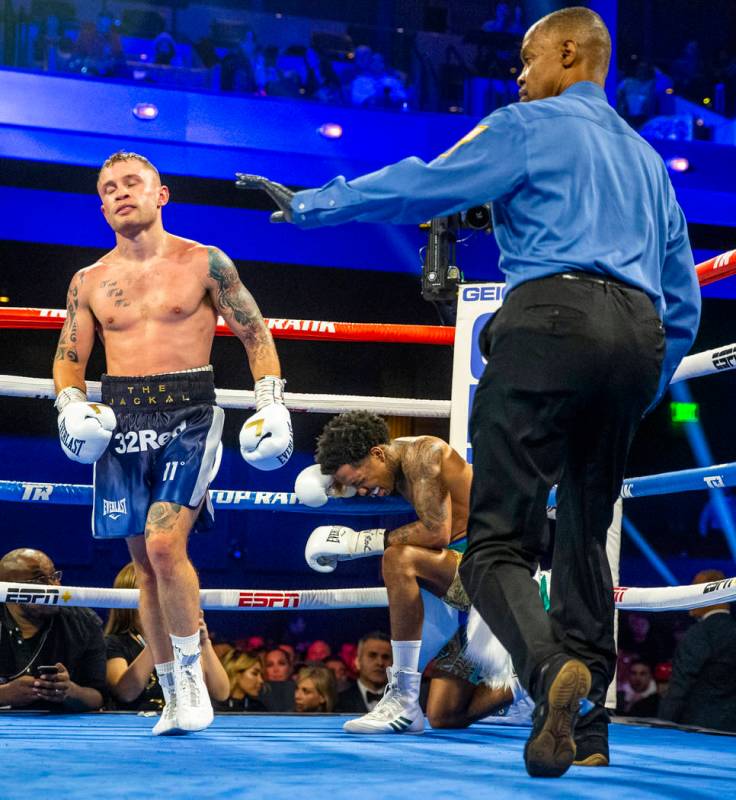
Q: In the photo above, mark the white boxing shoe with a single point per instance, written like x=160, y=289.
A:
x=193, y=707
x=398, y=710
x=166, y=725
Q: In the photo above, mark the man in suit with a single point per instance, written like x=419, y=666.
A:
x=374, y=656
x=703, y=687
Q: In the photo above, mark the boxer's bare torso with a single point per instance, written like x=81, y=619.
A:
x=153, y=317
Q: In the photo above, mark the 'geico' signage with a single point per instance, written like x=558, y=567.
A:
x=268, y=599
x=474, y=294
x=43, y=596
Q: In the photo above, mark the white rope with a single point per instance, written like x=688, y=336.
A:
x=667, y=598
x=43, y=389
x=721, y=359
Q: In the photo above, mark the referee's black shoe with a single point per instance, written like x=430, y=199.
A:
x=550, y=749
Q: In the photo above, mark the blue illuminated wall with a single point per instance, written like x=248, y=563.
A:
x=80, y=122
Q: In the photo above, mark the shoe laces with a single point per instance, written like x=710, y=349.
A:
x=190, y=685
x=390, y=705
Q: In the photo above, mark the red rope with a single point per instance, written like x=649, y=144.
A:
x=714, y=269
x=316, y=330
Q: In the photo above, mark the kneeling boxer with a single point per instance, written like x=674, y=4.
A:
x=355, y=454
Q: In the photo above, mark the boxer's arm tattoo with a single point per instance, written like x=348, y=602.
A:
x=237, y=306
x=162, y=517
x=67, y=347
x=422, y=468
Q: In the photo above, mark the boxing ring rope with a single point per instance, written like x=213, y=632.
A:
x=709, y=362
x=70, y=494
x=625, y=598
x=43, y=388
x=307, y=329
x=668, y=598
x=714, y=269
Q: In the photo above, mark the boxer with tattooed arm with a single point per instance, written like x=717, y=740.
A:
x=154, y=300
x=356, y=455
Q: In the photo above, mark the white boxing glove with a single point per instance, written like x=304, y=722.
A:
x=329, y=544
x=266, y=438
x=313, y=488
x=85, y=429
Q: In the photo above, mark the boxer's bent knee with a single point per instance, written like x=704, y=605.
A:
x=401, y=559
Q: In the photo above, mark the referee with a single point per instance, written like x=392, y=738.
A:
x=602, y=304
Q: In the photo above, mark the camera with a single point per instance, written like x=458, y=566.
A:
x=440, y=272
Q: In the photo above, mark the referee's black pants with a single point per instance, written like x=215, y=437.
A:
x=572, y=366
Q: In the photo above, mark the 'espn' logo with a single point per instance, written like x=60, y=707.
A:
x=268, y=600
x=619, y=592
x=28, y=596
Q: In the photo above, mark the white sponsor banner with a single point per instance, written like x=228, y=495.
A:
x=477, y=303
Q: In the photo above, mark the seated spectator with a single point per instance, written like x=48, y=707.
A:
x=689, y=72
x=164, y=50
x=636, y=96
x=377, y=86
x=319, y=650
x=349, y=653
x=131, y=678
x=639, y=697
x=702, y=689
x=374, y=657
x=245, y=677
x=278, y=665
x=240, y=64
x=98, y=50
x=66, y=640
x=340, y=671
x=315, y=690
x=662, y=677
x=505, y=20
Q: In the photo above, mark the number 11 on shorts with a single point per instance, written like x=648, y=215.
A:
x=170, y=470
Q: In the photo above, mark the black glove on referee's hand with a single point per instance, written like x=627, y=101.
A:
x=276, y=191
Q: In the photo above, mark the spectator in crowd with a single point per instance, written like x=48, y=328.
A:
x=636, y=96
x=51, y=657
x=240, y=64
x=689, y=72
x=290, y=652
x=319, y=650
x=638, y=638
x=373, y=658
x=245, y=677
x=98, y=50
x=702, y=689
x=505, y=20
x=206, y=52
x=315, y=690
x=340, y=671
x=164, y=50
x=662, y=677
x=374, y=85
x=349, y=654
x=639, y=697
x=132, y=682
x=278, y=665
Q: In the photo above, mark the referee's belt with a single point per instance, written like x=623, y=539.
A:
x=589, y=277
x=159, y=392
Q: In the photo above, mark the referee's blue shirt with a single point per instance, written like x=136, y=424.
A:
x=574, y=189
